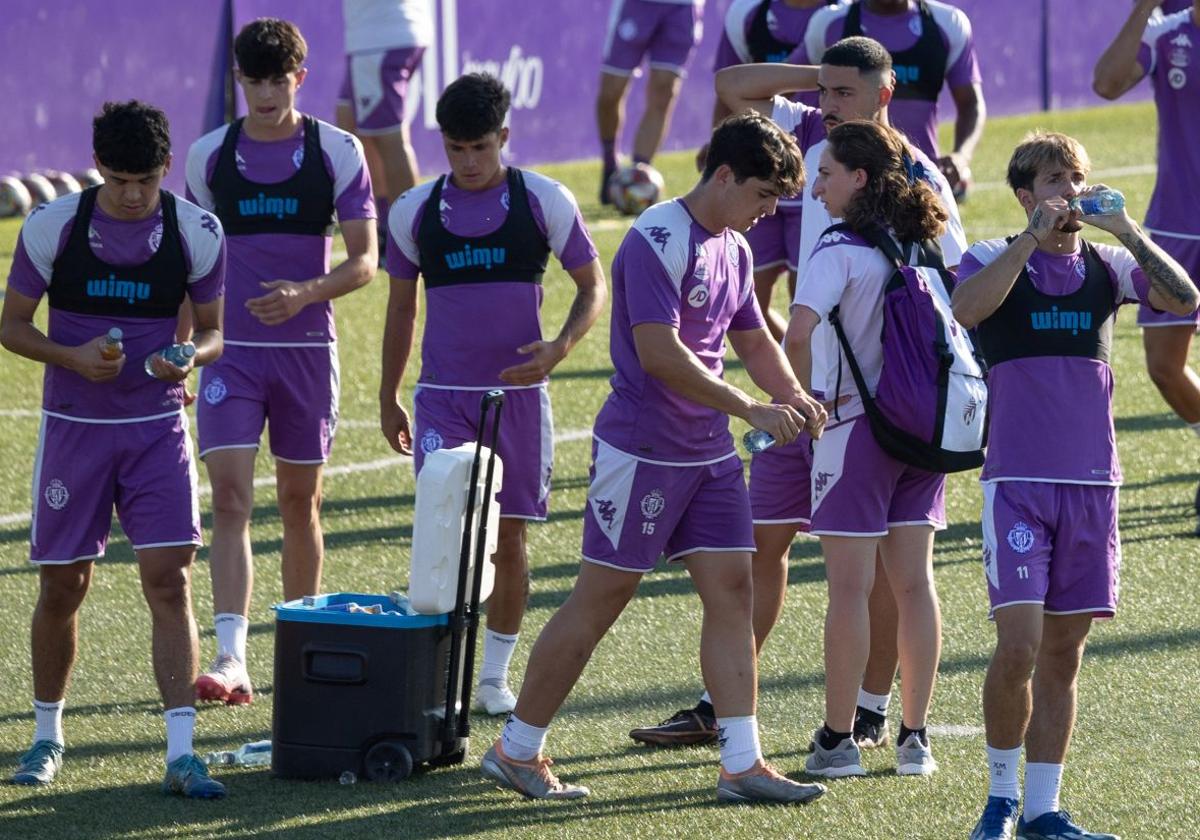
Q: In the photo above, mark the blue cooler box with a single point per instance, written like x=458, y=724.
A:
x=359, y=692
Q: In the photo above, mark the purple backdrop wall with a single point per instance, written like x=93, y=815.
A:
x=169, y=54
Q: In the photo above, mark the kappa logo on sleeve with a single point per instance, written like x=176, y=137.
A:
x=660, y=236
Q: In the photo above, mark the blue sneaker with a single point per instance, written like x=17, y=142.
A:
x=188, y=776
x=998, y=819
x=1057, y=825
x=40, y=765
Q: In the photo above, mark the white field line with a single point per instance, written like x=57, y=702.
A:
x=955, y=730
x=567, y=436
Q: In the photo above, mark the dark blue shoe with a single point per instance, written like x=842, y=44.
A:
x=998, y=819
x=1057, y=825
x=40, y=765
x=188, y=776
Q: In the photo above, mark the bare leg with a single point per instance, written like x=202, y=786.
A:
x=610, y=105
x=506, y=607
x=850, y=572
x=907, y=553
x=768, y=566
x=298, y=489
x=661, y=92
x=54, y=629
x=881, y=664
x=764, y=287
x=399, y=163
x=1167, y=351
x=231, y=474
x=1054, y=685
x=1007, y=700
x=166, y=584
x=727, y=656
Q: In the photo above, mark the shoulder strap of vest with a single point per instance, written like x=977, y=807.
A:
x=312, y=142
x=1093, y=262
x=83, y=217
x=229, y=144
x=852, y=22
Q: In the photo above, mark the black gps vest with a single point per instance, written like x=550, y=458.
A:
x=920, y=69
x=82, y=282
x=764, y=46
x=303, y=204
x=515, y=252
x=1030, y=323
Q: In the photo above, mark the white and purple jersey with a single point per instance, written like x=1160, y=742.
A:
x=1170, y=56
x=670, y=270
x=133, y=397
x=262, y=257
x=373, y=25
x=1067, y=400
x=473, y=329
x=804, y=123
x=901, y=35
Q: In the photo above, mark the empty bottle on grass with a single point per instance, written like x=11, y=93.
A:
x=1100, y=203
x=253, y=754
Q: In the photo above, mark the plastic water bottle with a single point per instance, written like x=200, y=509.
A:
x=756, y=440
x=253, y=754
x=348, y=777
x=176, y=354
x=113, y=346
x=1102, y=203
x=403, y=606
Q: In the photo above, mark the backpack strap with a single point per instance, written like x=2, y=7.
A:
x=882, y=239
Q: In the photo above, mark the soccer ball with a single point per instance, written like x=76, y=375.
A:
x=40, y=190
x=634, y=188
x=64, y=183
x=89, y=178
x=14, y=197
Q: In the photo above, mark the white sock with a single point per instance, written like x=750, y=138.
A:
x=521, y=741
x=1042, y=784
x=1195, y=427
x=874, y=702
x=1002, y=770
x=497, y=653
x=231, y=634
x=705, y=698
x=48, y=721
x=181, y=723
x=738, y=737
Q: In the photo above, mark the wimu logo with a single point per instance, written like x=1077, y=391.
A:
x=907, y=74
x=114, y=289
x=276, y=206
x=470, y=257
x=1055, y=320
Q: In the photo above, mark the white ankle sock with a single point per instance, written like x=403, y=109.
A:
x=1195, y=427
x=231, y=634
x=738, y=737
x=181, y=723
x=874, y=702
x=1002, y=771
x=497, y=653
x=48, y=721
x=705, y=698
x=1042, y=784
x=521, y=741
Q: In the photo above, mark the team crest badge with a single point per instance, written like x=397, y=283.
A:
x=215, y=391
x=1020, y=538
x=298, y=156
x=653, y=504
x=431, y=441
x=155, y=237
x=628, y=29
x=732, y=253
x=914, y=26
x=504, y=200
x=56, y=494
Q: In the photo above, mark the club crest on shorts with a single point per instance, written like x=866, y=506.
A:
x=56, y=494
x=653, y=504
x=215, y=391
x=431, y=441
x=1020, y=538
x=628, y=29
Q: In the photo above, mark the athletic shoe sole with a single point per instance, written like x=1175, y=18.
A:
x=210, y=690
x=847, y=772
x=916, y=769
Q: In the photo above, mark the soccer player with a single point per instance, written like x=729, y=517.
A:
x=931, y=47
x=665, y=478
x=1043, y=304
x=855, y=82
x=482, y=253
x=385, y=40
x=758, y=31
x=276, y=178
x=665, y=30
x=124, y=254
x=1166, y=48
x=865, y=502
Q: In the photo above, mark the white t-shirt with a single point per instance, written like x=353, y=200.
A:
x=387, y=24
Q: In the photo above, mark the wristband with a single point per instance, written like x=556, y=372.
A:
x=1032, y=236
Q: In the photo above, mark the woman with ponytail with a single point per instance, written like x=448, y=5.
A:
x=863, y=499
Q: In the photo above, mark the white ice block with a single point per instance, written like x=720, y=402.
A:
x=442, y=489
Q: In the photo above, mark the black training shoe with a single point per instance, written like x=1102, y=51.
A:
x=684, y=728
x=870, y=729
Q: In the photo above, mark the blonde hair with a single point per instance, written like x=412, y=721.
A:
x=1044, y=148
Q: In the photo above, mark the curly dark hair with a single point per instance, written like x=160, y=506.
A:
x=473, y=106
x=755, y=147
x=131, y=137
x=268, y=48
x=896, y=194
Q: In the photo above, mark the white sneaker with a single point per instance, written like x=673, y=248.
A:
x=226, y=681
x=914, y=758
x=493, y=697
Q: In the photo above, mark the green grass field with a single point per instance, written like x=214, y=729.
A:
x=1134, y=761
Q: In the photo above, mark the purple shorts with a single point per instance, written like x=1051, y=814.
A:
x=779, y=484
x=638, y=511
x=294, y=390
x=775, y=240
x=444, y=418
x=374, y=86
x=668, y=32
x=1052, y=544
x=858, y=490
x=83, y=469
x=1186, y=252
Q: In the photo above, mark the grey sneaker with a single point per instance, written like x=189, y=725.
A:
x=763, y=783
x=40, y=765
x=914, y=758
x=531, y=779
x=843, y=760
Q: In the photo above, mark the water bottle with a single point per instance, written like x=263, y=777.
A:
x=253, y=754
x=221, y=758
x=1106, y=202
x=176, y=354
x=756, y=440
x=112, y=347
x=401, y=602
x=348, y=777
